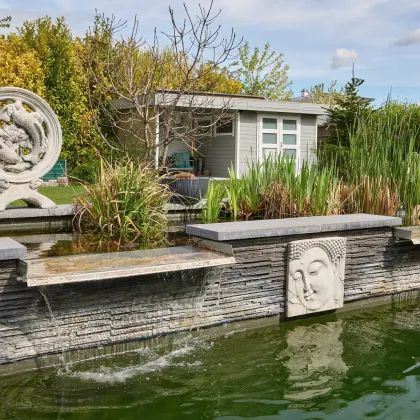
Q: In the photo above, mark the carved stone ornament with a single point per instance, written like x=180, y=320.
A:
x=315, y=278
x=30, y=144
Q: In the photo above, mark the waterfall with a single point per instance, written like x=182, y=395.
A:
x=57, y=328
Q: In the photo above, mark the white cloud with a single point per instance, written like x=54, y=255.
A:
x=409, y=39
x=344, y=58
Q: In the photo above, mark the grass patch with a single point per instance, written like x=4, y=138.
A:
x=60, y=195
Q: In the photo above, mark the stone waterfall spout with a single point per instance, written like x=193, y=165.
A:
x=30, y=144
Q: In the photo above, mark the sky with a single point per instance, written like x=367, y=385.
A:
x=320, y=39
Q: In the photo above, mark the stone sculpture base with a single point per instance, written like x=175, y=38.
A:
x=28, y=193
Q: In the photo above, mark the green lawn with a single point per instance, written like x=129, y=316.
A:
x=60, y=195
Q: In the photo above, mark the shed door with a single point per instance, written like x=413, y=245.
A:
x=279, y=134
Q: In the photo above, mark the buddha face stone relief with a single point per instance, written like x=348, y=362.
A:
x=315, y=281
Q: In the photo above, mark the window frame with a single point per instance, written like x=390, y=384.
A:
x=177, y=129
x=279, y=131
x=232, y=121
x=210, y=128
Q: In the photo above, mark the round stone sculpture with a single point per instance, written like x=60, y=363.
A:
x=30, y=144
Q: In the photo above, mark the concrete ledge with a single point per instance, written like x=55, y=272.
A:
x=294, y=226
x=410, y=233
x=11, y=250
x=118, y=265
x=64, y=210
x=30, y=212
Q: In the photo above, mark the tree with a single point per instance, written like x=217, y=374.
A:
x=20, y=67
x=318, y=95
x=262, y=73
x=65, y=84
x=220, y=80
x=160, y=85
x=349, y=111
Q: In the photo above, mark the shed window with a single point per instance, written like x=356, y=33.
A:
x=269, y=138
x=289, y=139
x=290, y=125
x=270, y=123
x=224, y=127
x=269, y=152
x=291, y=153
x=204, y=126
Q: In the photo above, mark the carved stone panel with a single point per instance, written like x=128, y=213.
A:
x=30, y=144
x=315, y=278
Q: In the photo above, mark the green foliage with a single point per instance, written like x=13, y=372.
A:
x=128, y=69
x=126, y=204
x=262, y=73
x=381, y=172
x=65, y=84
x=20, y=67
x=85, y=172
x=272, y=189
x=318, y=95
x=350, y=108
x=5, y=22
x=383, y=161
x=211, y=210
x=140, y=67
x=72, y=75
x=210, y=79
x=406, y=116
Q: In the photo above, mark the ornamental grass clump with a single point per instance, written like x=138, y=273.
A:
x=126, y=204
x=272, y=189
x=382, y=173
x=382, y=165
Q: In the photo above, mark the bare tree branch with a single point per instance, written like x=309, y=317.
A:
x=154, y=87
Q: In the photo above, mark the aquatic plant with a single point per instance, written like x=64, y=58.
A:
x=214, y=202
x=127, y=203
x=380, y=173
x=381, y=170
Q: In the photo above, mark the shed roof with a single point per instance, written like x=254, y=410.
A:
x=210, y=100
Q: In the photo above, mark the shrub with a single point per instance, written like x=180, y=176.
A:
x=126, y=204
x=85, y=172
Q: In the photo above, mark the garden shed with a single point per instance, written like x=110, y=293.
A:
x=251, y=127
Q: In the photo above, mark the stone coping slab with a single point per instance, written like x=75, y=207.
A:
x=409, y=233
x=81, y=268
x=30, y=212
x=294, y=226
x=64, y=210
x=11, y=250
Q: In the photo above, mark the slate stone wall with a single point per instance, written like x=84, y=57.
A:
x=376, y=265
x=96, y=313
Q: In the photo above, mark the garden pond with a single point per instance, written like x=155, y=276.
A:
x=352, y=365
x=55, y=243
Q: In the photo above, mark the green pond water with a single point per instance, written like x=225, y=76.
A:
x=356, y=365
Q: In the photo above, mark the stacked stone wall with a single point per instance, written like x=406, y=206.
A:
x=97, y=313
